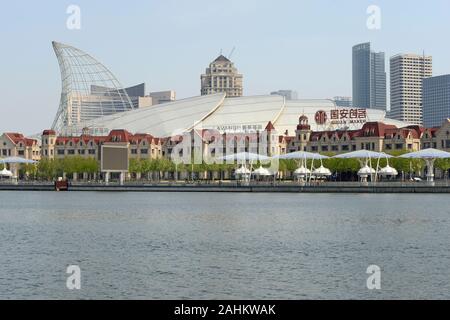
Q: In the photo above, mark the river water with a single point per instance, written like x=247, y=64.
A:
x=223, y=245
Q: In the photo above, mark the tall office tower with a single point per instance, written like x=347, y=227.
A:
x=222, y=76
x=407, y=73
x=343, y=101
x=436, y=100
x=369, y=78
x=288, y=94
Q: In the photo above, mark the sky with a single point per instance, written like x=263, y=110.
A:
x=303, y=45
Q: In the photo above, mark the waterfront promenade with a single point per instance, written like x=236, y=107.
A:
x=234, y=186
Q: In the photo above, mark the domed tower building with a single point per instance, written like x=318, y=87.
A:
x=222, y=76
x=302, y=134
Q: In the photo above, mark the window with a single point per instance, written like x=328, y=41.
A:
x=91, y=151
x=133, y=151
x=70, y=151
x=60, y=151
x=144, y=151
x=21, y=152
x=399, y=146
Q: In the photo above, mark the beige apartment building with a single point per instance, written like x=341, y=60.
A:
x=222, y=76
x=141, y=146
x=17, y=145
x=407, y=72
x=375, y=136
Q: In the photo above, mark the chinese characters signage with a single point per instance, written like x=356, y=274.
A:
x=342, y=116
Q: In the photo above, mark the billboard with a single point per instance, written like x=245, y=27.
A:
x=114, y=157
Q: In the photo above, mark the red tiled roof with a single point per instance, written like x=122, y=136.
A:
x=270, y=126
x=49, y=132
x=17, y=138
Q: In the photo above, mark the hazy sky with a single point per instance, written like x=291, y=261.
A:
x=282, y=44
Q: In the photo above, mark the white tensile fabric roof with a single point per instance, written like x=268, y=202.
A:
x=225, y=114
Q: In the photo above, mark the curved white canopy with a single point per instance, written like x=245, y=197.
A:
x=17, y=160
x=366, y=170
x=427, y=154
x=302, y=171
x=362, y=154
x=5, y=173
x=321, y=171
x=244, y=156
x=262, y=172
x=243, y=171
x=388, y=171
x=301, y=155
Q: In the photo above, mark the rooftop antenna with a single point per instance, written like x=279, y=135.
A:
x=231, y=53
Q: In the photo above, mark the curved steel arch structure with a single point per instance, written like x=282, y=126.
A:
x=89, y=90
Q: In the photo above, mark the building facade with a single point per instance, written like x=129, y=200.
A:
x=368, y=77
x=436, y=100
x=141, y=146
x=163, y=96
x=407, y=72
x=17, y=145
x=375, y=136
x=222, y=76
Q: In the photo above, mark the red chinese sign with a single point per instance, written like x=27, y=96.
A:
x=343, y=114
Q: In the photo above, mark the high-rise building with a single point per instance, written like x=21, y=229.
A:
x=222, y=76
x=288, y=94
x=407, y=73
x=369, y=77
x=345, y=102
x=436, y=100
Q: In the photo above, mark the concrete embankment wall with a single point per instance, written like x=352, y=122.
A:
x=233, y=188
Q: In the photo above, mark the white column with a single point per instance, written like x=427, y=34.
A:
x=122, y=177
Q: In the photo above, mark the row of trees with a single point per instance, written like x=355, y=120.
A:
x=49, y=169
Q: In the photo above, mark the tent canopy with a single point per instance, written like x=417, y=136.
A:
x=427, y=154
x=244, y=156
x=5, y=173
x=16, y=160
x=301, y=155
x=362, y=154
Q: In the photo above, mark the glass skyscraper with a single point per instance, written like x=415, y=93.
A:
x=436, y=100
x=369, y=77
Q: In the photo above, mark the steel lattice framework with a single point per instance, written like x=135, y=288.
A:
x=89, y=90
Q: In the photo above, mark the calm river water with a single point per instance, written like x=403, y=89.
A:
x=223, y=245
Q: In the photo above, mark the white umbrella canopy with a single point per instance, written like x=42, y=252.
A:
x=362, y=154
x=388, y=171
x=244, y=156
x=5, y=173
x=322, y=172
x=366, y=170
x=301, y=155
x=262, y=172
x=17, y=160
x=243, y=171
x=302, y=171
x=429, y=153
